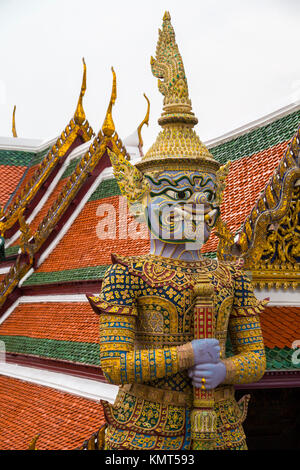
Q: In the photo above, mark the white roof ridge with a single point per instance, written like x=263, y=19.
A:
x=252, y=125
x=23, y=144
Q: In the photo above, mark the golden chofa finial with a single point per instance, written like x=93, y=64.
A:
x=145, y=121
x=108, y=127
x=79, y=116
x=14, y=132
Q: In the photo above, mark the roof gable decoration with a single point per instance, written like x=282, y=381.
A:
x=78, y=126
x=269, y=240
x=31, y=244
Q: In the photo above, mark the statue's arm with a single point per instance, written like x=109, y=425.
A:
x=248, y=363
x=122, y=364
x=119, y=360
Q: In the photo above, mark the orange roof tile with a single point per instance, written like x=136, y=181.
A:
x=57, y=321
x=247, y=178
x=69, y=254
x=9, y=178
x=280, y=326
x=64, y=421
x=27, y=178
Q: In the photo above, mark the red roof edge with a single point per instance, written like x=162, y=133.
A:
x=274, y=379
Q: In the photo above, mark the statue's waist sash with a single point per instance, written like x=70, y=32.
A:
x=172, y=397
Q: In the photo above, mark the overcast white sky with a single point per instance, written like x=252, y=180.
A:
x=241, y=59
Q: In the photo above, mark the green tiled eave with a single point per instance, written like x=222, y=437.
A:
x=15, y=158
x=80, y=274
x=88, y=353
x=38, y=157
x=12, y=250
x=70, y=168
x=257, y=140
x=21, y=158
x=107, y=188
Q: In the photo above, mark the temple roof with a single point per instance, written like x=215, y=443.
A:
x=64, y=421
x=249, y=173
x=14, y=167
x=76, y=256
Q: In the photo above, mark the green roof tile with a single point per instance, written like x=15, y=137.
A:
x=87, y=353
x=257, y=140
x=71, y=167
x=38, y=157
x=277, y=358
x=80, y=274
x=211, y=254
x=21, y=158
x=12, y=250
x=15, y=157
x=107, y=188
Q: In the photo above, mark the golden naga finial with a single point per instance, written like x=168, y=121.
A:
x=14, y=132
x=221, y=180
x=108, y=127
x=226, y=241
x=26, y=234
x=32, y=445
x=79, y=116
x=132, y=183
x=145, y=121
x=172, y=83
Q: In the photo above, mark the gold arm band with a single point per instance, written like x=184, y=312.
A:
x=185, y=356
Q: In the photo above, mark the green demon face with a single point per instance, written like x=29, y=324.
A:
x=182, y=206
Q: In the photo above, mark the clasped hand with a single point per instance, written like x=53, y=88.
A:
x=208, y=365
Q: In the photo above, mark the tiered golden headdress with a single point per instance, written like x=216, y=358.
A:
x=177, y=146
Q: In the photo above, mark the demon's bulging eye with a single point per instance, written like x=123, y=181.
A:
x=210, y=196
x=179, y=195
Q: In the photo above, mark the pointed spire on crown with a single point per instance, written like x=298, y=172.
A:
x=172, y=83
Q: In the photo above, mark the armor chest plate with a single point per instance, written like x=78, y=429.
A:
x=161, y=323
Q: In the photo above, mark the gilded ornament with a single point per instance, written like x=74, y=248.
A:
x=144, y=121
x=14, y=132
x=108, y=127
x=79, y=116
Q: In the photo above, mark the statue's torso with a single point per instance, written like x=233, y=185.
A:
x=164, y=298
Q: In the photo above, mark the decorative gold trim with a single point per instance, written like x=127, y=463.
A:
x=108, y=127
x=47, y=165
x=79, y=116
x=269, y=239
x=14, y=132
x=144, y=121
x=273, y=203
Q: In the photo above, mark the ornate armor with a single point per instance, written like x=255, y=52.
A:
x=146, y=325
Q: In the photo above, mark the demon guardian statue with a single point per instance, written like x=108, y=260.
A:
x=165, y=317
